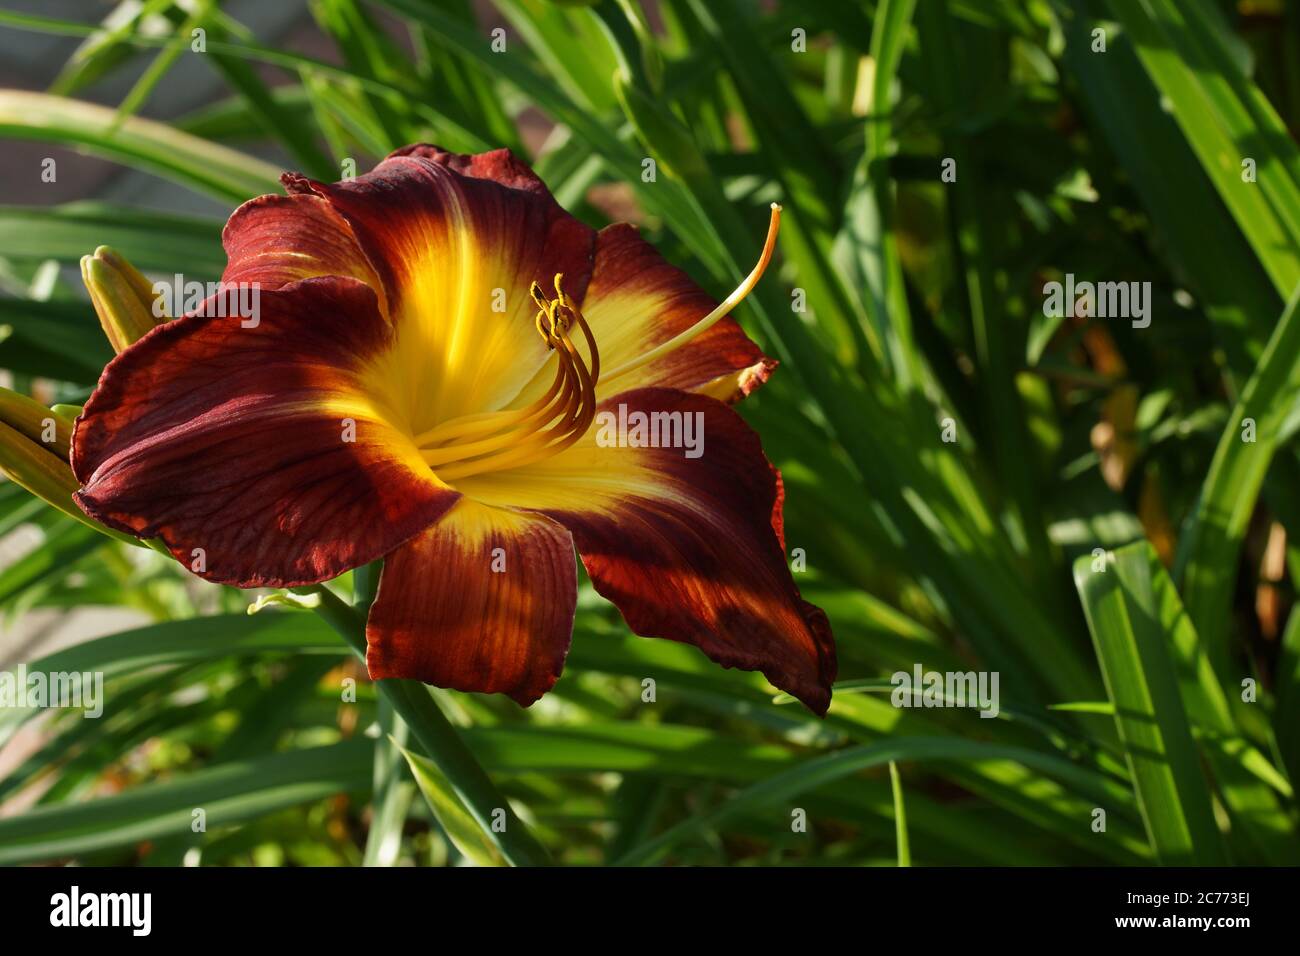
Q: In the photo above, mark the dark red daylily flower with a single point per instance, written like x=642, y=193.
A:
x=410, y=303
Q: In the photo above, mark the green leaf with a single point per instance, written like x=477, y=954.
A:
x=66, y=543
x=279, y=120
x=1210, y=548
x=1209, y=251
x=152, y=241
x=227, y=794
x=178, y=642
x=900, y=815
x=1250, y=787
x=394, y=792
x=164, y=60
x=867, y=248
x=1226, y=120
x=441, y=741
x=1133, y=650
x=217, y=170
x=569, y=48
x=975, y=209
x=103, y=49
x=1287, y=717
x=460, y=827
x=58, y=339
x=817, y=772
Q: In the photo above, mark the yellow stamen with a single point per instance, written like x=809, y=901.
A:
x=490, y=441
x=487, y=423
x=727, y=304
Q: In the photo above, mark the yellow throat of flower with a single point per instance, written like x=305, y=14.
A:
x=494, y=441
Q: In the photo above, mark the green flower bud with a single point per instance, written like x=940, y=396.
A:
x=123, y=298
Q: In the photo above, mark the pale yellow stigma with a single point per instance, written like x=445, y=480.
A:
x=724, y=307
x=493, y=441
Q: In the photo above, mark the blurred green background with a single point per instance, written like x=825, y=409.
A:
x=1103, y=514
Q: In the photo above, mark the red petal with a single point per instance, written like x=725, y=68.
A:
x=233, y=440
x=455, y=611
x=499, y=165
x=275, y=240
x=687, y=548
x=457, y=241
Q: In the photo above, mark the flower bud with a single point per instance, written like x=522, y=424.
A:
x=37, y=423
x=122, y=296
x=34, y=445
x=34, y=448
